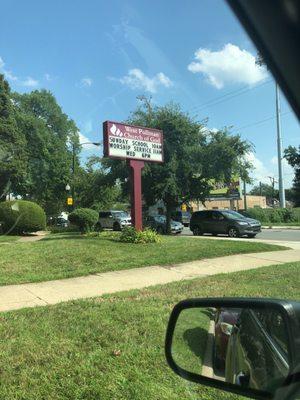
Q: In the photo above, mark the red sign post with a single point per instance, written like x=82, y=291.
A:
x=136, y=144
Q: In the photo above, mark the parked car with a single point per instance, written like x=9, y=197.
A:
x=58, y=221
x=224, y=320
x=182, y=216
x=227, y=222
x=62, y=222
x=257, y=353
x=159, y=224
x=113, y=219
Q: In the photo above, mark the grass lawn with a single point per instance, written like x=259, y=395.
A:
x=63, y=256
x=8, y=238
x=112, y=348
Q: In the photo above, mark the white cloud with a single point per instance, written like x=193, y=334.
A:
x=48, y=77
x=86, y=82
x=84, y=139
x=10, y=75
x=226, y=66
x=262, y=170
x=30, y=82
x=136, y=79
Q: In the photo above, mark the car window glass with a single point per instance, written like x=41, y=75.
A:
x=274, y=325
x=208, y=215
x=232, y=215
x=216, y=216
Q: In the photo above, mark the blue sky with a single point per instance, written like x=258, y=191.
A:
x=97, y=56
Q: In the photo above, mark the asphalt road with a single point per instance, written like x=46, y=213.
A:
x=269, y=234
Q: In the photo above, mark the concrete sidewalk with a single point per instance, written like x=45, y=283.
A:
x=40, y=294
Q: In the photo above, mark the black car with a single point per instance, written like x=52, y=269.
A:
x=224, y=222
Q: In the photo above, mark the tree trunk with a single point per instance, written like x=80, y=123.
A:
x=168, y=219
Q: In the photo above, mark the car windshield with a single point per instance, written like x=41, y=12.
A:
x=160, y=218
x=120, y=214
x=233, y=215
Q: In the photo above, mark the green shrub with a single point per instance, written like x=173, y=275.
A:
x=21, y=216
x=289, y=215
x=131, y=235
x=272, y=215
x=63, y=229
x=84, y=218
x=259, y=214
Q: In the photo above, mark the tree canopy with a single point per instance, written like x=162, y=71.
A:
x=293, y=157
x=36, y=140
x=13, y=152
x=193, y=156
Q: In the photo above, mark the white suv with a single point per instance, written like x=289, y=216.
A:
x=113, y=219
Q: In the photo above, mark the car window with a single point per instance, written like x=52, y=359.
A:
x=217, y=215
x=232, y=215
x=275, y=327
x=208, y=215
x=120, y=214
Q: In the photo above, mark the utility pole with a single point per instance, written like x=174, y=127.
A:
x=272, y=179
x=245, y=195
x=260, y=61
x=260, y=189
x=279, y=150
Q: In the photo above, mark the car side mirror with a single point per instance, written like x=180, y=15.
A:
x=246, y=346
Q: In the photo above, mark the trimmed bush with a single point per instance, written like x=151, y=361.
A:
x=63, y=229
x=131, y=235
x=272, y=215
x=84, y=218
x=21, y=216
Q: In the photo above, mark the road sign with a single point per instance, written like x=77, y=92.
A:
x=132, y=142
x=184, y=208
x=70, y=201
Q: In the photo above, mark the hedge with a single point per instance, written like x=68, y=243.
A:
x=84, y=218
x=272, y=215
x=21, y=216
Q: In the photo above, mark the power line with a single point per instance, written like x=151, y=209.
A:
x=259, y=122
x=224, y=98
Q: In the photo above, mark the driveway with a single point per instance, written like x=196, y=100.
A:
x=282, y=235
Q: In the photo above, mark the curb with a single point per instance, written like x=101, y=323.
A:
x=281, y=227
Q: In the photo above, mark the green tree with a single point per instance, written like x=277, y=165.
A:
x=192, y=157
x=293, y=157
x=50, y=135
x=13, y=154
x=265, y=190
x=94, y=189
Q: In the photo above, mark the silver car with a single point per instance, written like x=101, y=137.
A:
x=113, y=219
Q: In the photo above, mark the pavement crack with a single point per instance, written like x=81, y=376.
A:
x=38, y=297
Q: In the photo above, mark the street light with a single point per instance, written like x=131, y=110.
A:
x=73, y=165
x=68, y=187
